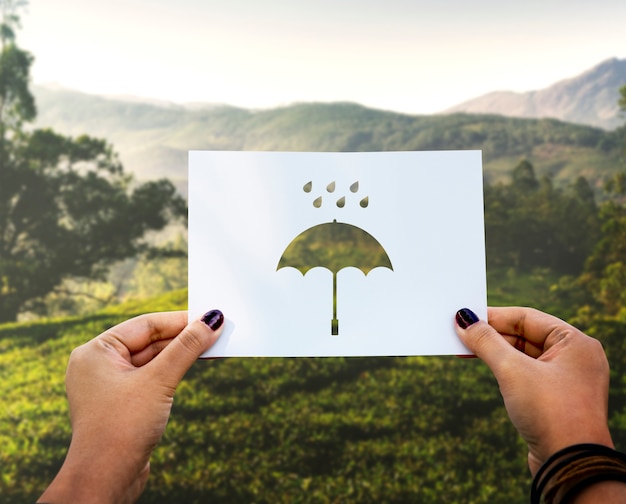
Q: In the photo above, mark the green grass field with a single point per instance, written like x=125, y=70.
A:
x=277, y=430
x=299, y=430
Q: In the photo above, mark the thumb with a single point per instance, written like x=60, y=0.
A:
x=484, y=341
x=196, y=338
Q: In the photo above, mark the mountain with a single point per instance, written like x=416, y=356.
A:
x=153, y=139
x=589, y=98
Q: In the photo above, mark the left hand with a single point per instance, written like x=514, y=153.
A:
x=120, y=388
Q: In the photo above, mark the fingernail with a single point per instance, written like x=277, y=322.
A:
x=214, y=319
x=466, y=317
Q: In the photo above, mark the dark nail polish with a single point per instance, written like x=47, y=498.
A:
x=214, y=319
x=465, y=318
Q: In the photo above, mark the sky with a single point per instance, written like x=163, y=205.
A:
x=410, y=56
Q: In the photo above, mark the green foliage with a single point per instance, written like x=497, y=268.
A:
x=162, y=269
x=67, y=209
x=562, y=234
x=158, y=275
x=16, y=102
x=73, y=296
x=339, y=430
x=61, y=203
x=531, y=224
x=603, y=279
x=540, y=288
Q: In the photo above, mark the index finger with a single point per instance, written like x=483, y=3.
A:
x=533, y=325
x=142, y=331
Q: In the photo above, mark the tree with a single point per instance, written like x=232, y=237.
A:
x=524, y=178
x=531, y=224
x=16, y=102
x=67, y=208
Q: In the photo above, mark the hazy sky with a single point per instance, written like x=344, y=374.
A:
x=415, y=56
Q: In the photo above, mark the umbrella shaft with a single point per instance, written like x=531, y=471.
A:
x=334, y=295
x=335, y=322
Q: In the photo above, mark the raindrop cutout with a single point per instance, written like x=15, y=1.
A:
x=318, y=202
x=354, y=187
x=341, y=202
x=308, y=186
x=364, y=202
x=331, y=187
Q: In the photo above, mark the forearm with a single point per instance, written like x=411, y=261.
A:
x=95, y=477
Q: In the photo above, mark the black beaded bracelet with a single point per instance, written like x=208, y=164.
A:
x=571, y=469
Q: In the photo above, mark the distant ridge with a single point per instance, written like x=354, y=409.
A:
x=153, y=139
x=589, y=98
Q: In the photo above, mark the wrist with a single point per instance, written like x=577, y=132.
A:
x=576, y=469
x=560, y=435
x=97, y=477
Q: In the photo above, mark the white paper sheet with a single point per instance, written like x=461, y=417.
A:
x=423, y=209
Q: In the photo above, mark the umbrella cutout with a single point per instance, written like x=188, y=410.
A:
x=334, y=246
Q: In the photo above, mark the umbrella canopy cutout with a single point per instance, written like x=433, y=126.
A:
x=334, y=246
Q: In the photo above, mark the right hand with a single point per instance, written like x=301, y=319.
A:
x=555, y=389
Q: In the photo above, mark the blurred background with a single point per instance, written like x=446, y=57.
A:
x=99, y=104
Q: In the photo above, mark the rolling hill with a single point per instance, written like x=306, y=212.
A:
x=153, y=139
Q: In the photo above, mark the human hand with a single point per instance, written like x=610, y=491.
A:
x=120, y=388
x=554, y=379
